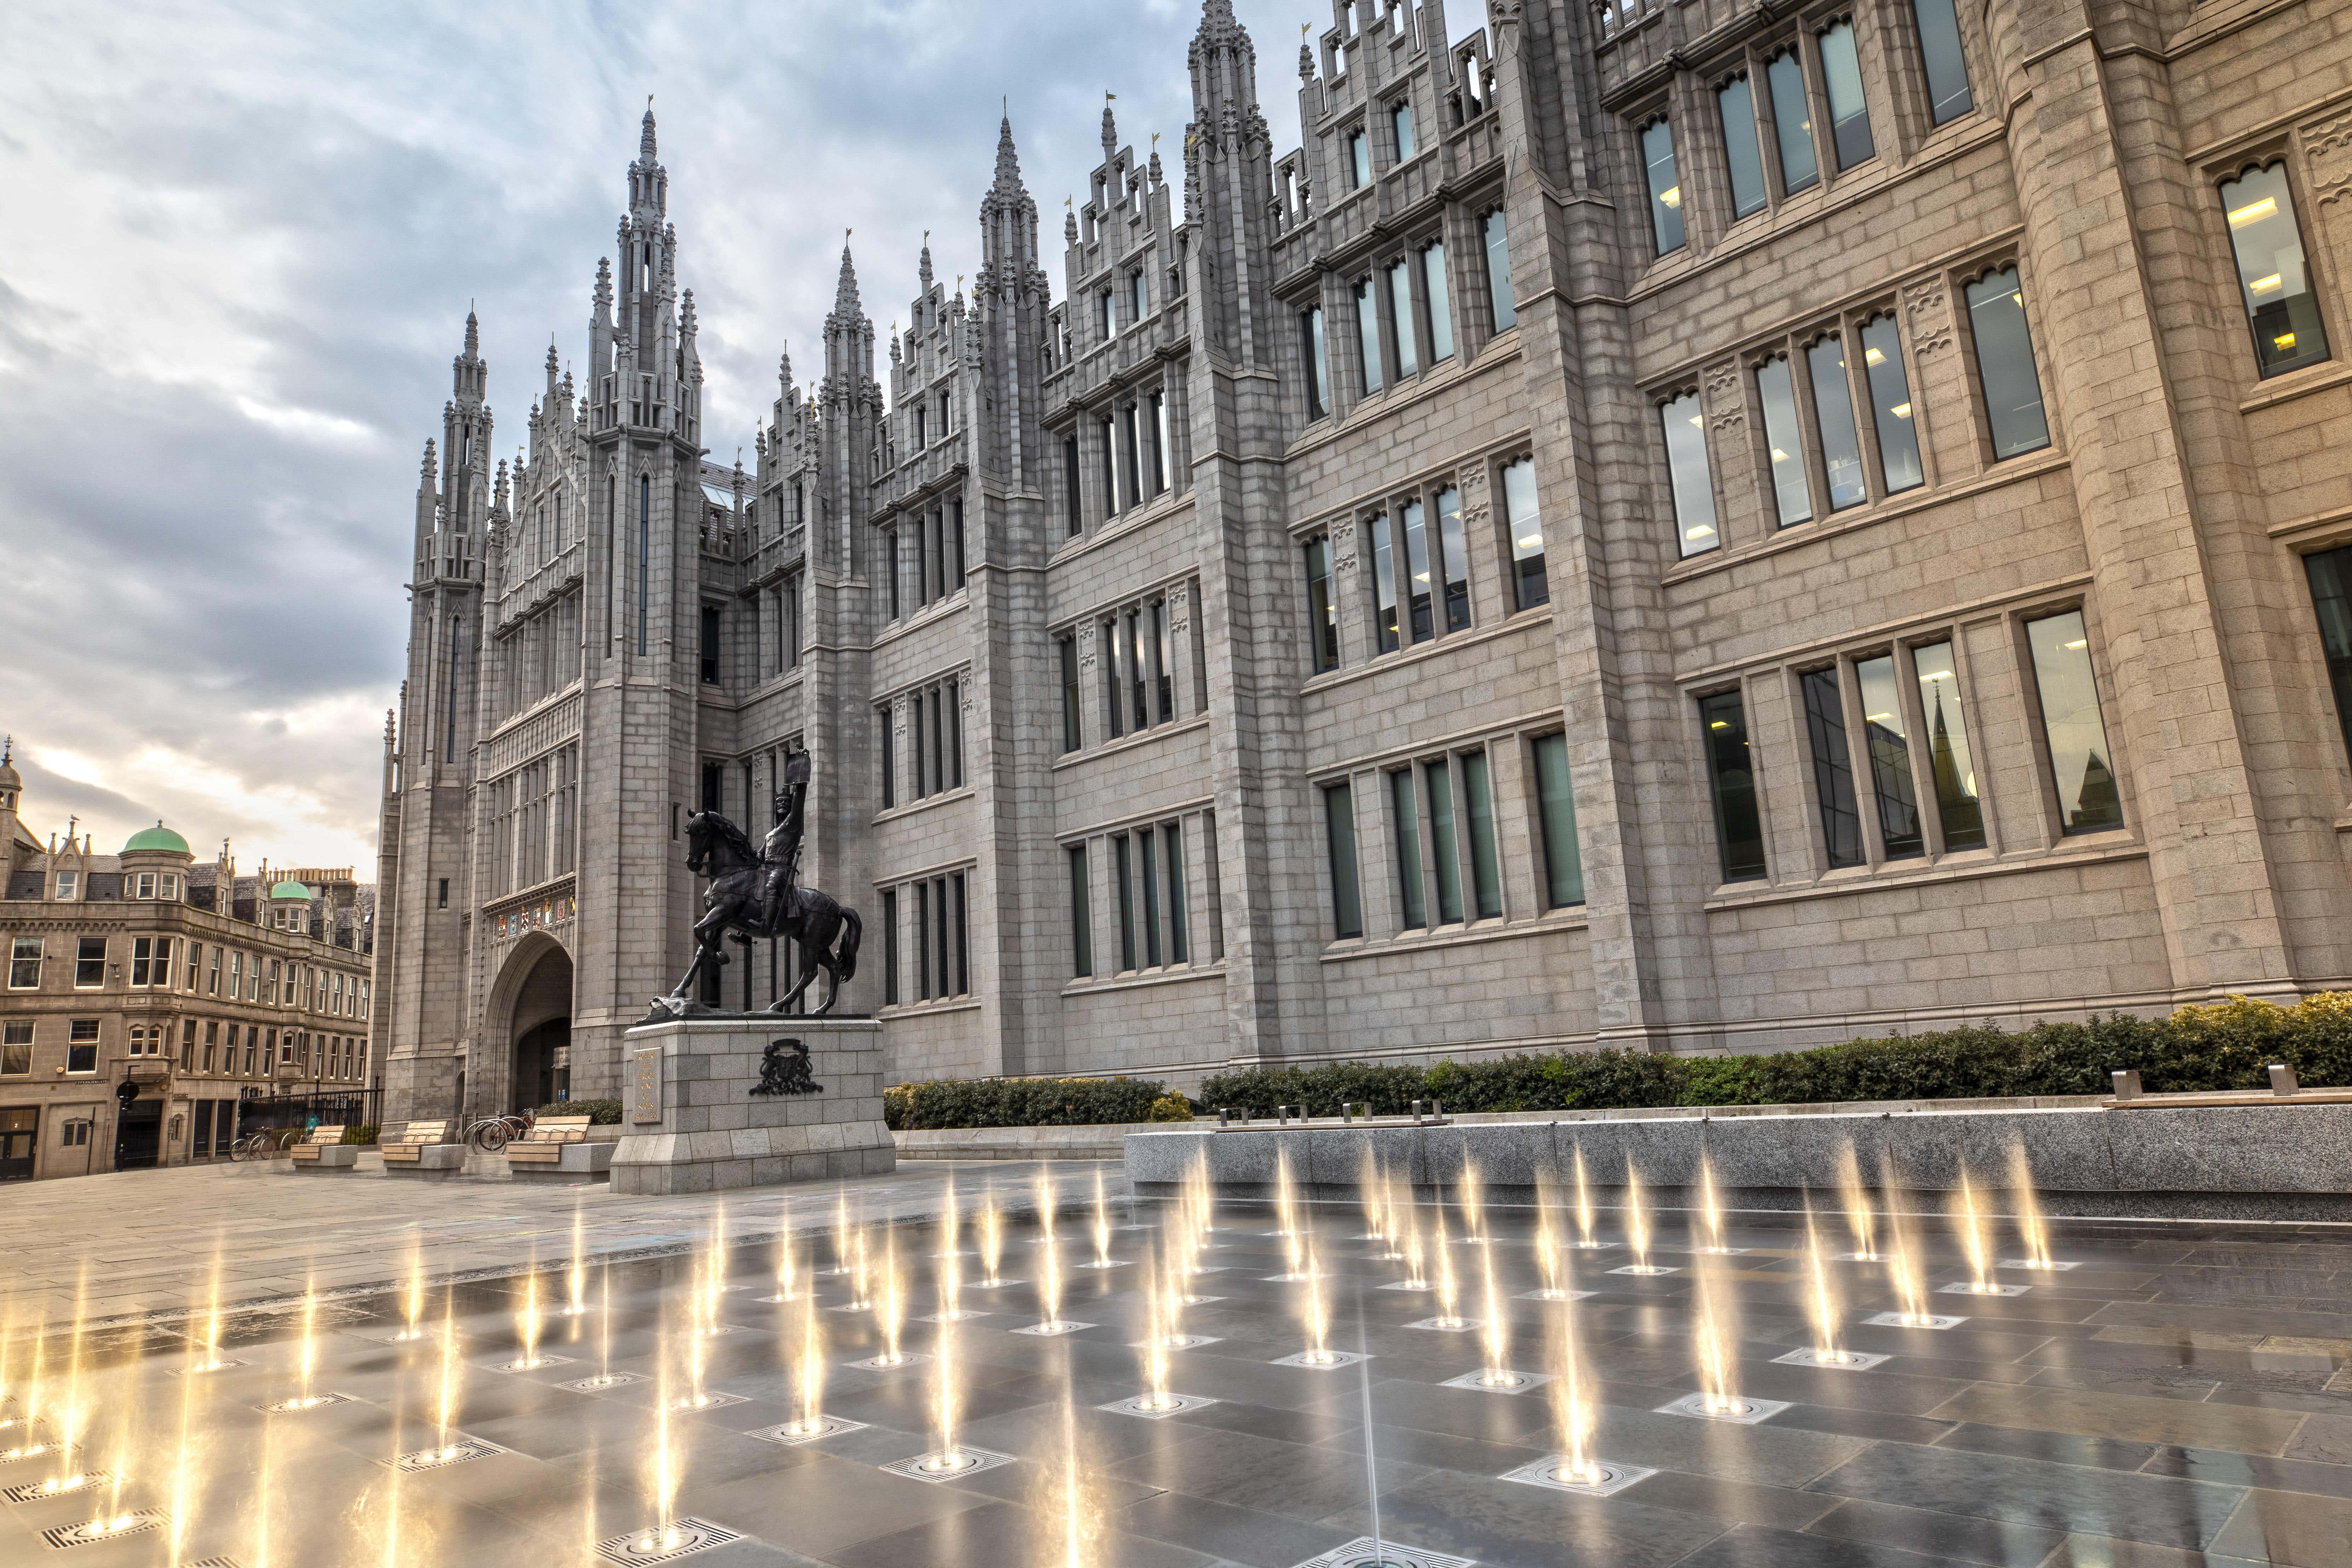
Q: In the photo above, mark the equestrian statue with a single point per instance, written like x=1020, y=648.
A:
x=754, y=890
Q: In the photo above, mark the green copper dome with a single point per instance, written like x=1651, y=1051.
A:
x=156, y=837
x=290, y=891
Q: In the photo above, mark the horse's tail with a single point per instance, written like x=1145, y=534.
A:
x=847, y=956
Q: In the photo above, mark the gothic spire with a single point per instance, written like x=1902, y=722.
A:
x=1008, y=165
x=845, y=294
x=645, y=134
x=472, y=334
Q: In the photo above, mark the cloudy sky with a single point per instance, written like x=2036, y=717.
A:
x=243, y=242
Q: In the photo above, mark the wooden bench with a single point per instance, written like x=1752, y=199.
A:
x=323, y=1150
x=556, y=1149
x=421, y=1149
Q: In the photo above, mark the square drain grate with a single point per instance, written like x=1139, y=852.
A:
x=1964, y=1288
x=1444, y=1325
x=34, y=1492
x=302, y=1403
x=1180, y=1342
x=665, y=1542
x=953, y=1467
x=534, y=1364
x=445, y=1455
x=600, y=1381
x=113, y=1527
x=1053, y=1331
x=1899, y=1320
x=1327, y=1361
x=1142, y=1405
x=1737, y=1411
x=708, y=1400
x=1602, y=1478
x=1646, y=1269
x=790, y=1435
x=1365, y=1552
x=891, y=1364
x=2054, y=1266
x=1551, y=1295
x=1498, y=1382
x=1844, y=1360
x=222, y=1363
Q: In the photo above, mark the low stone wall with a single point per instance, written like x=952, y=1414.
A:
x=1105, y=1142
x=2276, y=1163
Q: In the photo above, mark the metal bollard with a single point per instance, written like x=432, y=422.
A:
x=1225, y=1116
x=2282, y=1079
x=2126, y=1085
x=1347, y=1113
x=1416, y=1114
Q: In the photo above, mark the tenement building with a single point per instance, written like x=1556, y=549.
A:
x=150, y=1000
x=1684, y=525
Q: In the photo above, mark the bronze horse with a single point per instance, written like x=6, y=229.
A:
x=717, y=849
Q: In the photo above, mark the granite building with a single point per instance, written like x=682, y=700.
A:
x=1673, y=524
x=149, y=1001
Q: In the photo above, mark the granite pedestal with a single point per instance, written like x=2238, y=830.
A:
x=690, y=1121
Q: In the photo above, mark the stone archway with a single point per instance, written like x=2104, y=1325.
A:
x=528, y=1026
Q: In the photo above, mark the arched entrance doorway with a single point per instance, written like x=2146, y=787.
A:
x=536, y=991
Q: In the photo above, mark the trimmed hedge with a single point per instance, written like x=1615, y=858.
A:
x=599, y=1112
x=363, y=1136
x=2225, y=1045
x=1020, y=1102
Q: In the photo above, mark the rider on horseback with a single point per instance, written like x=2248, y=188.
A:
x=782, y=849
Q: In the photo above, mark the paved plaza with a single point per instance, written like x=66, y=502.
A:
x=134, y=1242
x=2180, y=1396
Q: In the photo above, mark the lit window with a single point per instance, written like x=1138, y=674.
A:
x=1834, y=417
x=1736, y=104
x=2080, y=768
x=2004, y=349
x=1849, y=113
x=1731, y=783
x=1946, y=64
x=1776, y=392
x=2281, y=305
x=1890, y=405
x=1322, y=616
x=1525, y=521
x=1665, y=186
x=1686, y=469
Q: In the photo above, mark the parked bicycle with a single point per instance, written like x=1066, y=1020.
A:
x=253, y=1146
x=492, y=1133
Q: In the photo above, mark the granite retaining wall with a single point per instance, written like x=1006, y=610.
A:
x=2283, y=1162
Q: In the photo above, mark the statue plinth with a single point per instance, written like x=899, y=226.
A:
x=707, y=1105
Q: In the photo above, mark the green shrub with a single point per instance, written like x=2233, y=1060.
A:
x=599, y=1112
x=363, y=1136
x=1170, y=1107
x=2225, y=1045
x=1019, y=1102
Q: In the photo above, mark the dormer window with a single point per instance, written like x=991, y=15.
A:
x=68, y=885
x=145, y=886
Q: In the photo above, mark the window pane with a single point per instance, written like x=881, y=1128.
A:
x=1890, y=405
x=1322, y=622
x=1454, y=552
x=1890, y=759
x=1368, y=335
x=1172, y=843
x=1498, y=272
x=1793, y=123
x=1665, y=187
x=1385, y=594
x=1070, y=733
x=1401, y=312
x=1485, y=879
x=1833, y=768
x=1124, y=863
x=2331, y=600
x=2012, y=393
x=1319, y=390
x=1685, y=430
x=1834, y=417
x=1525, y=523
x=1444, y=854
x=1849, y=115
x=2088, y=799
x=1441, y=309
x=1556, y=804
x=1731, y=783
x=1958, y=806
x=1405, y=815
x=1360, y=160
x=1149, y=853
x=1082, y=947
x=1940, y=52
x=1776, y=391
x=2280, y=304
x=1340, y=833
x=1416, y=565
x=1402, y=118
x=1737, y=105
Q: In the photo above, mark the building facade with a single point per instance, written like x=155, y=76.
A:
x=151, y=1001
x=1672, y=524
